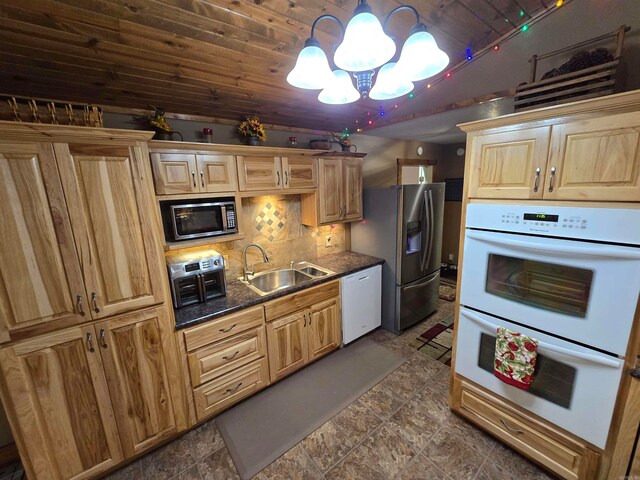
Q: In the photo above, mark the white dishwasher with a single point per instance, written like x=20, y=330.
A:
x=361, y=294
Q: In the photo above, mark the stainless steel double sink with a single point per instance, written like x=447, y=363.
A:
x=269, y=281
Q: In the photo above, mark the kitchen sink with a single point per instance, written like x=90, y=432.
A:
x=269, y=281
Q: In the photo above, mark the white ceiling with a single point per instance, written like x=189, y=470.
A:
x=441, y=127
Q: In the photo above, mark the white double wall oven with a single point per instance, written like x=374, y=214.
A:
x=567, y=276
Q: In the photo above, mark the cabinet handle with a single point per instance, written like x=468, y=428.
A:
x=635, y=372
x=94, y=300
x=202, y=179
x=286, y=178
x=103, y=341
x=278, y=174
x=232, y=356
x=228, y=329
x=79, y=305
x=511, y=429
x=234, y=389
x=305, y=319
x=536, y=183
x=310, y=318
x=553, y=174
x=90, y=343
x=193, y=175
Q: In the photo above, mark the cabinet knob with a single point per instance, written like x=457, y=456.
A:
x=635, y=372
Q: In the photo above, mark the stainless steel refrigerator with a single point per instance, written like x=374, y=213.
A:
x=403, y=225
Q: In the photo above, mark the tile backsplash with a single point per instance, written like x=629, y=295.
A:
x=274, y=223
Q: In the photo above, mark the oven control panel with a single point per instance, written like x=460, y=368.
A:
x=619, y=225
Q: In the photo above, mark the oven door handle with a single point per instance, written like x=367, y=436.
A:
x=602, y=251
x=607, y=362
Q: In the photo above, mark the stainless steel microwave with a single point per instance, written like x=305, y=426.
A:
x=186, y=220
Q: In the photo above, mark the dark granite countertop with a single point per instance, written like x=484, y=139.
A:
x=240, y=296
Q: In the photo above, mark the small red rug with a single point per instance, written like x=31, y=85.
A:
x=437, y=342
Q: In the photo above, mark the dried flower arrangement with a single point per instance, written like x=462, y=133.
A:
x=251, y=127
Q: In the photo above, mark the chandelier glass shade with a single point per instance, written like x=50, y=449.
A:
x=365, y=47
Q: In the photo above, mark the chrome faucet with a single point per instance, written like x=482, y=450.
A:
x=265, y=258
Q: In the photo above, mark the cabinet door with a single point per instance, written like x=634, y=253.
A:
x=330, y=190
x=352, y=188
x=217, y=173
x=41, y=286
x=174, y=173
x=57, y=401
x=299, y=172
x=509, y=164
x=259, y=172
x=287, y=344
x=324, y=328
x=142, y=370
x=597, y=159
x=116, y=226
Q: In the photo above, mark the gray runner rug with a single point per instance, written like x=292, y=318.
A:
x=262, y=428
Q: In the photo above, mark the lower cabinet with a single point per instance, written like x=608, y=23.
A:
x=559, y=452
x=57, y=390
x=307, y=334
x=141, y=365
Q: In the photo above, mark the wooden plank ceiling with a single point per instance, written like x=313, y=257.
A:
x=219, y=58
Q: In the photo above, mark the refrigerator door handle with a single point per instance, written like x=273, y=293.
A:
x=429, y=279
x=428, y=199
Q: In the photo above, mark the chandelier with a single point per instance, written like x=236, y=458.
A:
x=365, y=46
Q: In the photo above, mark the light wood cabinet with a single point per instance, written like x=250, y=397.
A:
x=141, y=363
x=339, y=194
x=352, y=188
x=595, y=159
x=558, y=452
x=302, y=327
x=299, y=172
x=58, y=403
x=109, y=206
x=259, y=173
x=509, y=164
x=186, y=173
x=287, y=341
x=324, y=328
x=41, y=286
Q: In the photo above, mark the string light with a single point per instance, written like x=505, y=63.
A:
x=525, y=27
x=522, y=13
x=429, y=85
x=469, y=55
x=496, y=48
x=411, y=95
x=448, y=75
x=559, y=3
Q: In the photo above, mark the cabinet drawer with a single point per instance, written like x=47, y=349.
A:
x=215, y=360
x=301, y=300
x=551, y=448
x=222, y=328
x=218, y=394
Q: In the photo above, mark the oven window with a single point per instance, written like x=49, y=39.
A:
x=552, y=381
x=548, y=286
x=198, y=220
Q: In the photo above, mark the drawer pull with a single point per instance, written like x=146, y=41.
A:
x=232, y=356
x=228, y=329
x=510, y=428
x=234, y=389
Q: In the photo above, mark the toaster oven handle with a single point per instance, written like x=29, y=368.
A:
x=601, y=251
x=607, y=362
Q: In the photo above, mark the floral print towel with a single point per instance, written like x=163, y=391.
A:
x=515, y=359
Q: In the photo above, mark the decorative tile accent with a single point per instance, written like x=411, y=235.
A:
x=270, y=222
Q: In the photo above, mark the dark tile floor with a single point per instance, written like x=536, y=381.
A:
x=400, y=429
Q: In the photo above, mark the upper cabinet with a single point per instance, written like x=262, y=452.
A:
x=259, y=173
x=596, y=159
x=41, y=286
x=509, y=164
x=339, y=194
x=180, y=173
x=267, y=173
x=114, y=233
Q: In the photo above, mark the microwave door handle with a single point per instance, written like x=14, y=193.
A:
x=607, y=362
x=570, y=251
x=223, y=211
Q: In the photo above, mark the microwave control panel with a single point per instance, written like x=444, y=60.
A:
x=231, y=218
